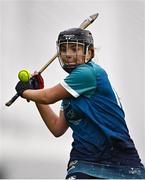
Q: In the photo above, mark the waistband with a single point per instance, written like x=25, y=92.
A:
x=106, y=171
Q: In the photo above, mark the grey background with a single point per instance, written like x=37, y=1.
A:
x=29, y=30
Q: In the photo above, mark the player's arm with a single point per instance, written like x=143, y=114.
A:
x=56, y=124
x=43, y=97
x=47, y=96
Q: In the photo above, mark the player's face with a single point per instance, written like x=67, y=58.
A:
x=72, y=53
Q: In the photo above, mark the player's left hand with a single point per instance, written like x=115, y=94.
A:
x=35, y=82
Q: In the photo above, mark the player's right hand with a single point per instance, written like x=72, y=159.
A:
x=37, y=81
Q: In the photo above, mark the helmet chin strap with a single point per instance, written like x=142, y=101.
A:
x=86, y=59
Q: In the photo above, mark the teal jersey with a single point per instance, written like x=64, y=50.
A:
x=96, y=117
x=82, y=81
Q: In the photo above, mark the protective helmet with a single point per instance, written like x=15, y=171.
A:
x=77, y=36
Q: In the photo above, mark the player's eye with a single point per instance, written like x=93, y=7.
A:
x=73, y=49
x=62, y=48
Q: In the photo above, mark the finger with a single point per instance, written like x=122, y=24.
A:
x=35, y=73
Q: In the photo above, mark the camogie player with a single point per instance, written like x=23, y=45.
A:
x=102, y=146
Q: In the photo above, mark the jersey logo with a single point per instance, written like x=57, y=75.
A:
x=70, y=114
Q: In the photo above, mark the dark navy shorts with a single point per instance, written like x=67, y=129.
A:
x=103, y=171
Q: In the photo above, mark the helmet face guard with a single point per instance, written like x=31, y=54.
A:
x=71, y=54
x=72, y=47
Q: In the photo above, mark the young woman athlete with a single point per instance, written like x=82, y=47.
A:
x=102, y=146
